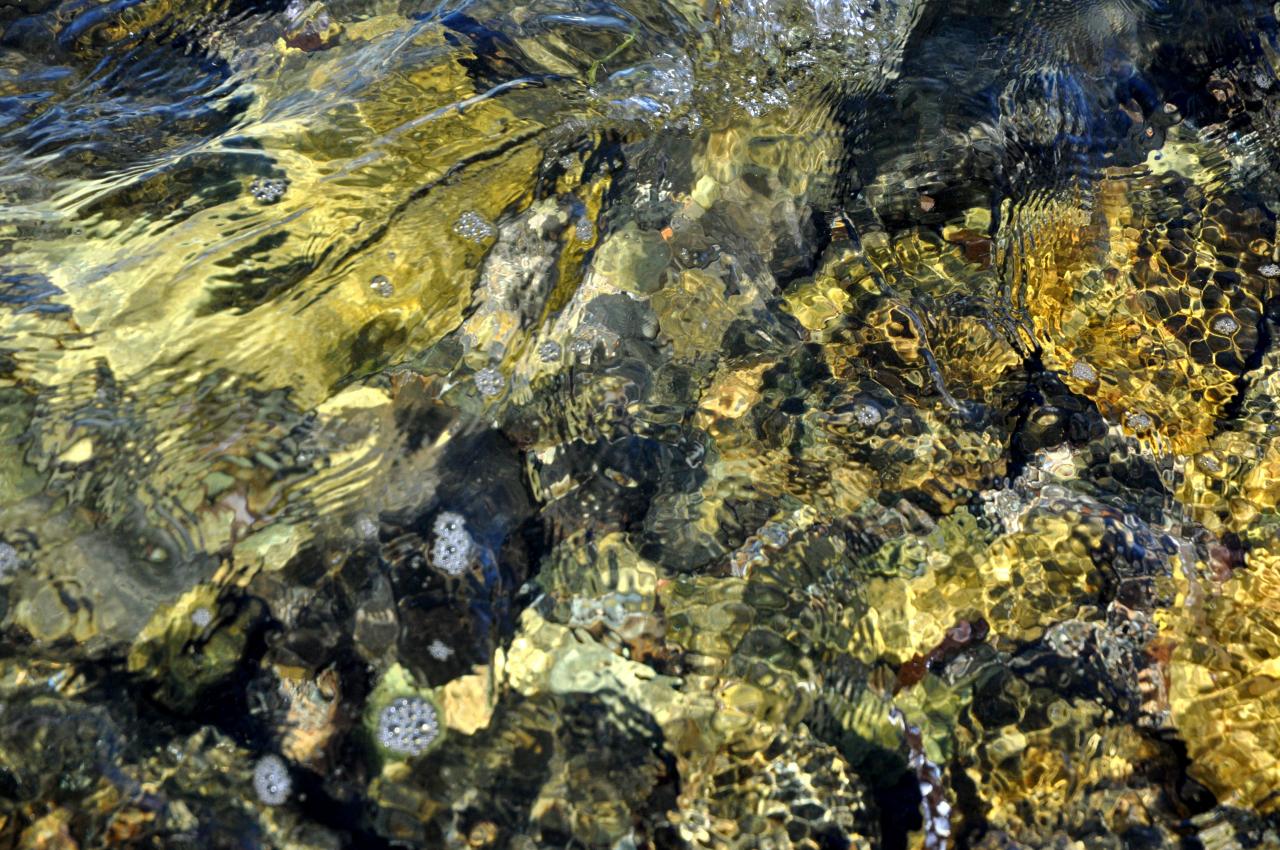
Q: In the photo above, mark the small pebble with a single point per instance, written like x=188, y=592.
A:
x=470, y=225
x=489, y=381
x=1082, y=371
x=381, y=286
x=268, y=190
x=271, y=780
x=408, y=726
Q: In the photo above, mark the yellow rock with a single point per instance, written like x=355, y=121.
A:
x=1132, y=292
x=468, y=701
x=1224, y=679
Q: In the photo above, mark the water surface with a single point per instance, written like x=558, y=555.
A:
x=647, y=424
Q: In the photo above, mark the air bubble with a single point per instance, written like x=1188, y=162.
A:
x=451, y=552
x=268, y=190
x=1138, y=421
x=489, y=382
x=1082, y=371
x=549, y=352
x=271, y=780
x=408, y=726
x=1225, y=325
x=382, y=286
x=471, y=225
x=868, y=415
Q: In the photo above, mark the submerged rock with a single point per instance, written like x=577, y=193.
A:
x=657, y=424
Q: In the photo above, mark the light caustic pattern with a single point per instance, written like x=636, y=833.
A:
x=790, y=423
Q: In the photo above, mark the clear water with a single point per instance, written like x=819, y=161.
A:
x=646, y=424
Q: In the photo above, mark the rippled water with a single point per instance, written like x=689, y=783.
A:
x=649, y=424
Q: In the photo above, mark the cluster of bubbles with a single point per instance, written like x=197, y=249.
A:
x=271, y=780
x=408, y=726
x=453, y=547
x=1208, y=463
x=1082, y=371
x=653, y=92
x=470, y=225
x=201, y=617
x=1139, y=421
x=381, y=286
x=549, y=351
x=268, y=190
x=868, y=414
x=1270, y=270
x=1225, y=325
x=489, y=381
